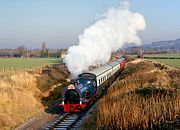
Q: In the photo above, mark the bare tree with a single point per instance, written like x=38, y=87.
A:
x=22, y=51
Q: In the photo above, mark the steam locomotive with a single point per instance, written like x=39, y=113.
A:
x=82, y=90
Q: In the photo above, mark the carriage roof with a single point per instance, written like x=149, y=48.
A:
x=99, y=70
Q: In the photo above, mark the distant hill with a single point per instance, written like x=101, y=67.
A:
x=169, y=46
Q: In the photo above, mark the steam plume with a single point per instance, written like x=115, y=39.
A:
x=117, y=27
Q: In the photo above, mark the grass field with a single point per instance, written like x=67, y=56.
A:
x=163, y=58
x=171, y=62
x=20, y=63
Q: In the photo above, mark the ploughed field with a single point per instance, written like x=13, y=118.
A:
x=21, y=63
x=145, y=96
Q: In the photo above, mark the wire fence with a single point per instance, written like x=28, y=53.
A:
x=30, y=68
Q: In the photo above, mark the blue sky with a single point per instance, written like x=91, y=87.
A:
x=59, y=22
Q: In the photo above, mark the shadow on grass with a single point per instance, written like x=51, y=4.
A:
x=54, y=99
x=148, y=92
x=47, y=83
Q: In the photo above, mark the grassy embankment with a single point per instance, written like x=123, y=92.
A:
x=146, y=96
x=24, y=94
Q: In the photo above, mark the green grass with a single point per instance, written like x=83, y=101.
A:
x=163, y=58
x=171, y=62
x=20, y=63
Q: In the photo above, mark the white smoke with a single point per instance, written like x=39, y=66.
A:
x=117, y=27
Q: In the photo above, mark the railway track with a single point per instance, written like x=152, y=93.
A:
x=63, y=122
x=68, y=120
x=71, y=120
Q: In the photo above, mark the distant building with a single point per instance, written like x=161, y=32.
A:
x=44, y=47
